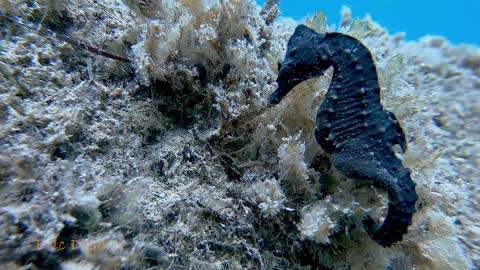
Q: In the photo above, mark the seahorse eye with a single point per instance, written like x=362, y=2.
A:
x=322, y=55
x=293, y=52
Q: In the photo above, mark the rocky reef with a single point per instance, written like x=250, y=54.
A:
x=172, y=160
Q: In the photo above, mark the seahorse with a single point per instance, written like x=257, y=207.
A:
x=352, y=126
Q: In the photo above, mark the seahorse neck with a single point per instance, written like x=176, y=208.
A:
x=354, y=70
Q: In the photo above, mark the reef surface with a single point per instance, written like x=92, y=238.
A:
x=174, y=161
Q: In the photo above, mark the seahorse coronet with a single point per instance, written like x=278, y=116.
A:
x=352, y=126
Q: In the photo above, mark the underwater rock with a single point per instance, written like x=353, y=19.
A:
x=134, y=141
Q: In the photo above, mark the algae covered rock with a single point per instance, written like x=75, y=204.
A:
x=173, y=160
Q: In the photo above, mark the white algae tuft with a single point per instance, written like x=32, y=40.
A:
x=172, y=160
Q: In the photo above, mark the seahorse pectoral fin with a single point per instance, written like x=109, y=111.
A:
x=398, y=133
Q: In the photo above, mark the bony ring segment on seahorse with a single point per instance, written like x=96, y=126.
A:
x=352, y=126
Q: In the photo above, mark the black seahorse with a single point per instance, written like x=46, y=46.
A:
x=352, y=126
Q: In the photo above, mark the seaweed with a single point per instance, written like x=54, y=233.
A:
x=56, y=31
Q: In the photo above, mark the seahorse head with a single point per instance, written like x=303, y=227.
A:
x=305, y=58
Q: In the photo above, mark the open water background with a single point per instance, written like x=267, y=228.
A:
x=458, y=21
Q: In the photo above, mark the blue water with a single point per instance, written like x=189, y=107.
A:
x=458, y=20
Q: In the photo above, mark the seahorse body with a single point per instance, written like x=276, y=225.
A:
x=352, y=126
